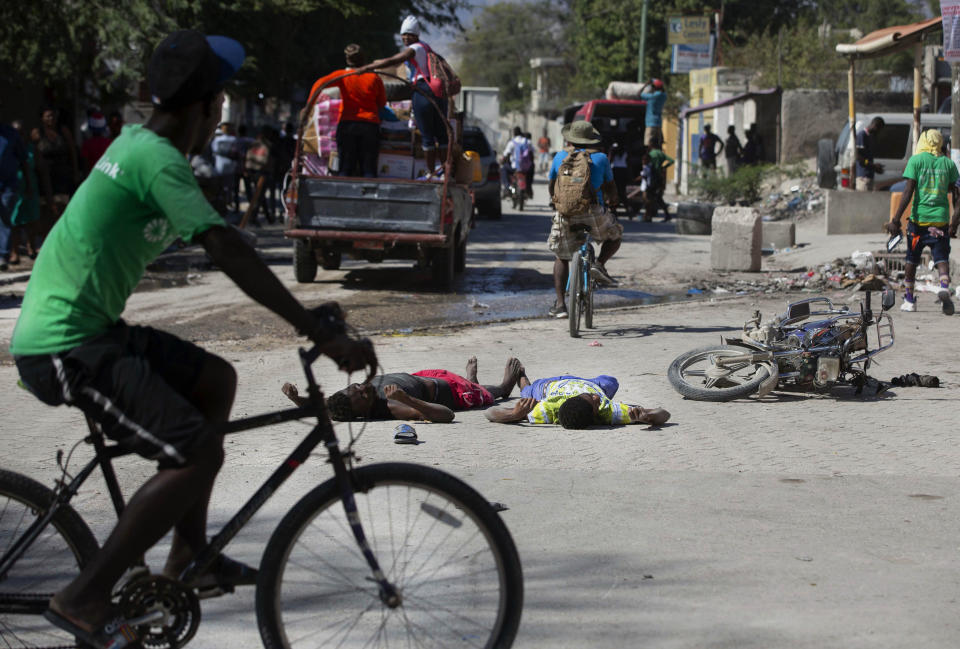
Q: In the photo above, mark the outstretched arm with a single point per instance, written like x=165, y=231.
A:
x=390, y=61
x=403, y=406
x=510, y=414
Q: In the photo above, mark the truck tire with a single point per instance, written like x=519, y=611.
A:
x=304, y=261
x=460, y=260
x=826, y=174
x=330, y=259
x=441, y=267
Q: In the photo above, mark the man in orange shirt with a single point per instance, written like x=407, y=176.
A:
x=358, y=129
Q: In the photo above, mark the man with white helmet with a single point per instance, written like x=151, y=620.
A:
x=429, y=121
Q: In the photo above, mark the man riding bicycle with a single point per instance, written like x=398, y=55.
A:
x=150, y=391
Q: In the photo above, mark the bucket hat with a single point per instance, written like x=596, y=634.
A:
x=580, y=132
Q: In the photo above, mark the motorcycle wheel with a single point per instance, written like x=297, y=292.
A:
x=688, y=375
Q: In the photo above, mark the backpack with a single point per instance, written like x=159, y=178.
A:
x=573, y=193
x=441, y=78
x=524, y=153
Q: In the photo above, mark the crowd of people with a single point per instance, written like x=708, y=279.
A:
x=41, y=165
x=736, y=153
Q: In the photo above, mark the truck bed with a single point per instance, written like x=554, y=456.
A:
x=374, y=205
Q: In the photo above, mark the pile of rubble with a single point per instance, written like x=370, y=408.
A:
x=793, y=199
x=861, y=271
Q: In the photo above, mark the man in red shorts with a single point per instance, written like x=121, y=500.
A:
x=428, y=394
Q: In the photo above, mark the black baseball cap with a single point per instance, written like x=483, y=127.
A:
x=188, y=66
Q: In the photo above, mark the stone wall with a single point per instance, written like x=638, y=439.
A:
x=809, y=115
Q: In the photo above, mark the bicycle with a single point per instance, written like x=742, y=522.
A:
x=580, y=284
x=419, y=555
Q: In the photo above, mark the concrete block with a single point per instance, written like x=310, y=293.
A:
x=779, y=234
x=735, y=243
x=694, y=218
x=850, y=212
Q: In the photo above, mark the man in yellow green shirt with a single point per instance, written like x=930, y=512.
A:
x=575, y=403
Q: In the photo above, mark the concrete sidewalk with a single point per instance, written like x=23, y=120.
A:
x=797, y=521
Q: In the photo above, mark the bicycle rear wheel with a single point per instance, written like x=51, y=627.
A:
x=49, y=563
x=437, y=540
x=576, y=290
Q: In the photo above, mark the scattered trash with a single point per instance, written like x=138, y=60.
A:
x=596, y=343
x=795, y=189
x=794, y=203
x=862, y=258
x=478, y=305
x=804, y=558
x=694, y=291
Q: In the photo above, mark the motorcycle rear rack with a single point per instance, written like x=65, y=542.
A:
x=885, y=339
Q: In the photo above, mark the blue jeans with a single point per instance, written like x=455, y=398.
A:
x=430, y=123
x=8, y=199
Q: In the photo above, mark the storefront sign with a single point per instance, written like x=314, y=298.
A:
x=688, y=30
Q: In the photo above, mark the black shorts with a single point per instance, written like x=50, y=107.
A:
x=919, y=237
x=135, y=382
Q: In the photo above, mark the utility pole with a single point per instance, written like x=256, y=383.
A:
x=641, y=60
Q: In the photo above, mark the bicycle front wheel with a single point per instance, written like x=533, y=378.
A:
x=48, y=564
x=438, y=541
x=576, y=291
x=588, y=287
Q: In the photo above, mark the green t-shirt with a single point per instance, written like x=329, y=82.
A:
x=934, y=176
x=547, y=410
x=136, y=201
x=658, y=159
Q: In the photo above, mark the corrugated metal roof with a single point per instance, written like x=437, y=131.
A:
x=729, y=100
x=890, y=39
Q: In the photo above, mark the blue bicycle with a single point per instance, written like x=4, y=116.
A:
x=580, y=285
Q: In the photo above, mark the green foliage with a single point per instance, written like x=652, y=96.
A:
x=744, y=186
x=100, y=47
x=497, y=49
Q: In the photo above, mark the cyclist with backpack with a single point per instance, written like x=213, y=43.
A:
x=581, y=181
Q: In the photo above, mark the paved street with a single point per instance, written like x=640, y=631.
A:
x=796, y=521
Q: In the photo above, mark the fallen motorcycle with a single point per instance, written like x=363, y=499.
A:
x=801, y=349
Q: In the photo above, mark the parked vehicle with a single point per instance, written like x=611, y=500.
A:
x=799, y=349
x=893, y=146
x=609, y=116
x=486, y=193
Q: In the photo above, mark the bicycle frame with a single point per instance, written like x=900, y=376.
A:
x=583, y=252
x=321, y=433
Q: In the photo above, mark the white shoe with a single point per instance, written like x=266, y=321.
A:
x=908, y=306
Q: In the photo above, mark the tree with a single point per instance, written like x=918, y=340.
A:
x=96, y=48
x=497, y=50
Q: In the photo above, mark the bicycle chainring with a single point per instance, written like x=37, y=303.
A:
x=179, y=605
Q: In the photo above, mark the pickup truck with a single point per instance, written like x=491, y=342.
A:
x=375, y=219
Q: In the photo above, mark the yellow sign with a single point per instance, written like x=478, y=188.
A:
x=688, y=30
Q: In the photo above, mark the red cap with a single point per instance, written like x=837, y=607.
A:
x=657, y=83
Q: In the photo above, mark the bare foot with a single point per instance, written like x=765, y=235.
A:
x=654, y=416
x=88, y=617
x=522, y=380
x=472, y=369
x=290, y=390
x=511, y=374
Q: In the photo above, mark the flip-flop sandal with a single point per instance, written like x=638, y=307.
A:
x=404, y=434
x=114, y=634
x=225, y=573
